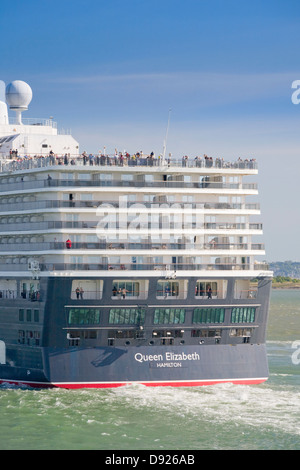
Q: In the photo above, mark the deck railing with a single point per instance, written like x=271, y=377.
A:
x=61, y=183
x=42, y=161
x=53, y=267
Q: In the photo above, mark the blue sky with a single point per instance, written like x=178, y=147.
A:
x=111, y=70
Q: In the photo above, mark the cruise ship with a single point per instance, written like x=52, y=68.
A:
x=125, y=268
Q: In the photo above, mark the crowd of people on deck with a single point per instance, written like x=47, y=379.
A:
x=124, y=159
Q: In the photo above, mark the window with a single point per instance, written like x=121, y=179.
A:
x=149, y=178
x=84, y=176
x=209, y=315
x=167, y=333
x=206, y=289
x=86, y=289
x=21, y=314
x=83, y=316
x=86, y=197
x=206, y=333
x=126, y=316
x=126, y=177
x=165, y=316
x=122, y=289
x=28, y=314
x=243, y=315
x=21, y=336
x=31, y=338
x=73, y=338
x=80, y=334
x=120, y=334
x=167, y=289
x=242, y=332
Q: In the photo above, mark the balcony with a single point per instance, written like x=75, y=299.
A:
x=75, y=184
x=7, y=267
x=107, y=246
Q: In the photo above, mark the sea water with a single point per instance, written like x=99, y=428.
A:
x=217, y=417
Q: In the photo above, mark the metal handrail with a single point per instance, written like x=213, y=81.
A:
x=136, y=267
x=48, y=204
x=29, y=161
x=55, y=245
x=61, y=183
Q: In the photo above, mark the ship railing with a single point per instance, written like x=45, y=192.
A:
x=13, y=294
x=30, y=161
x=49, y=204
x=55, y=245
x=31, y=226
x=249, y=294
x=143, y=294
x=57, y=183
x=7, y=267
x=8, y=294
x=34, y=122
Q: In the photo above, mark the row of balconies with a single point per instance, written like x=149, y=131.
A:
x=167, y=268
x=58, y=224
x=9, y=205
x=60, y=183
x=45, y=246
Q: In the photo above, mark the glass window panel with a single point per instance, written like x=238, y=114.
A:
x=243, y=315
x=169, y=316
x=126, y=316
x=208, y=315
x=21, y=314
x=83, y=316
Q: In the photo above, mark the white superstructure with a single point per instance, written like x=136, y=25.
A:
x=131, y=214
x=29, y=137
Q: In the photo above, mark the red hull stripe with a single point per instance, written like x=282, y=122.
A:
x=183, y=383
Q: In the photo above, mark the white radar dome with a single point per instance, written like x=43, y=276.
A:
x=18, y=95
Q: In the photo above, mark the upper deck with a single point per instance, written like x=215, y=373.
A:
x=133, y=162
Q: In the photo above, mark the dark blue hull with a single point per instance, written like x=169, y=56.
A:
x=58, y=341
x=174, y=366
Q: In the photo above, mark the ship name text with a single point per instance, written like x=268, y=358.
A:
x=168, y=356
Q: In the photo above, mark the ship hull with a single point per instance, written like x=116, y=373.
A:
x=114, y=367
x=69, y=357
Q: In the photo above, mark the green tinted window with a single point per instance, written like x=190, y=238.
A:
x=209, y=315
x=126, y=316
x=167, y=316
x=83, y=316
x=243, y=315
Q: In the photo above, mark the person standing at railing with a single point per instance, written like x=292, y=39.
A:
x=68, y=244
x=81, y=292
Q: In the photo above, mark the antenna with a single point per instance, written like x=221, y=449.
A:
x=165, y=141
